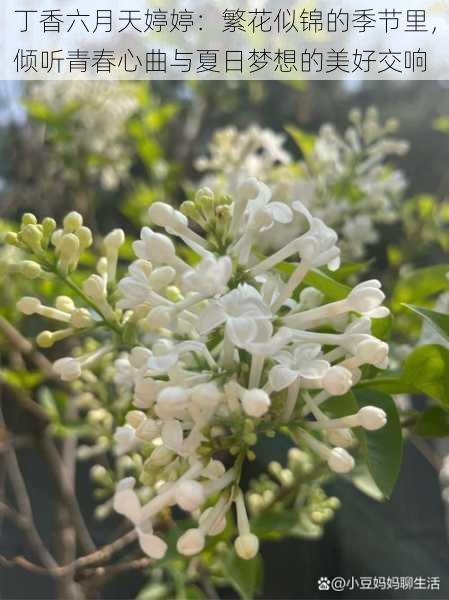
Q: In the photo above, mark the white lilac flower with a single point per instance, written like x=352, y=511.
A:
x=221, y=353
x=345, y=180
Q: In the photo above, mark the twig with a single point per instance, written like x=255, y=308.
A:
x=67, y=492
x=26, y=348
x=24, y=504
x=102, y=554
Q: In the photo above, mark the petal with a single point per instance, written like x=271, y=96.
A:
x=127, y=503
x=172, y=435
x=282, y=377
x=241, y=330
x=212, y=317
x=281, y=212
x=314, y=369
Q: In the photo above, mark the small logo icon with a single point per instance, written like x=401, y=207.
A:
x=324, y=584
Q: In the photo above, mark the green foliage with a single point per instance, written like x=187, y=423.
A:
x=432, y=423
x=382, y=449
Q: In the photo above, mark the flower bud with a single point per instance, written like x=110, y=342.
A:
x=45, y=339
x=11, y=238
x=372, y=418
x=373, y=352
x=152, y=545
x=148, y=430
x=29, y=219
x=337, y=381
x=84, y=236
x=340, y=461
x=161, y=277
x=81, y=318
x=31, y=235
x=206, y=395
x=247, y=546
x=73, y=221
x=160, y=457
x=48, y=227
x=365, y=297
x=340, y=437
x=145, y=392
x=28, y=305
x=162, y=214
x=189, y=495
x=162, y=248
x=94, y=287
x=191, y=542
x=171, y=402
x=30, y=269
x=255, y=402
x=135, y=418
x=67, y=368
x=139, y=357
x=68, y=250
x=64, y=303
x=114, y=240
x=218, y=525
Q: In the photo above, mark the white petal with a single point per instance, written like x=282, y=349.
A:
x=172, y=435
x=241, y=330
x=212, y=317
x=281, y=212
x=281, y=377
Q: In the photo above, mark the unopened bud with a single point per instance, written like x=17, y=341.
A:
x=255, y=402
x=73, y=221
x=247, y=546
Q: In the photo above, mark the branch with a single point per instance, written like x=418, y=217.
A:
x=67, y=492
x=80, y=563
x=24, y=504
x=25, y=347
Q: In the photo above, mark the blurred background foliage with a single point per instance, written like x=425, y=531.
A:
x=108, y=151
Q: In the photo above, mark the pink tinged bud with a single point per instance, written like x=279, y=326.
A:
x=255, y=402
x=340, y=461
x=247, y=546
x=152, y=545
x=191, y=542
x=372, y=418
x=189, y=495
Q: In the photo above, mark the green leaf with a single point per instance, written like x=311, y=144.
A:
x=192, y=592
x=433, y=422
x=362, y=479
x=427, y=370
x=330, y=287
x=420, y=285
x=245, y=576
x=271, y=525
x=438, y=321
x=389, y=383
x=383, y=448
x=304, y=141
